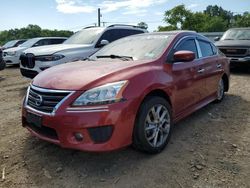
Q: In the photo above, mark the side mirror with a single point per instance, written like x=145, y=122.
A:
x=216, y=38
x=184, y=56
x=103, y=43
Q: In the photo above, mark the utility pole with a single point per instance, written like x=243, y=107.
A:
x=99, y=17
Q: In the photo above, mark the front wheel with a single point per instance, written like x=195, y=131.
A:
x=153, y=125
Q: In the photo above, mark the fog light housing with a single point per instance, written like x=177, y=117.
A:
x=78, y=137
x=101, y=134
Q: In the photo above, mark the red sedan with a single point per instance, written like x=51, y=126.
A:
x=130, y=92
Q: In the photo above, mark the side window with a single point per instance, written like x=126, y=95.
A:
x=42, y=42
x=215, y=49
x=57, y=41
x=128, y=32
x=206, y=48
x=114, y=34
x=110, y=35
x=188, y=45
x=19, y=42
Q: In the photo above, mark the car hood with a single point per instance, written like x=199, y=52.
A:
x=51, y=49
x=233, y=43
x=15, y=49
x=77, y=75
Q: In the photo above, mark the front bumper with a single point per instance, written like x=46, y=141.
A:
x=11, y=60
x=28, y=73
x=102, y=129
x=239, y=61
x=38, y=67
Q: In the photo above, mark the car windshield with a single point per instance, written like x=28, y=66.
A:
x=29, y=43
x=237, y=34
x=10, y=44
x=85, y=36
x=140, y=47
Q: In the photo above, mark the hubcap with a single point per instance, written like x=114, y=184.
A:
x=220, y=90
x=157, y=125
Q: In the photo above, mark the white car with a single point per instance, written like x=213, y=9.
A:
x=78, y=47
x=11, y=56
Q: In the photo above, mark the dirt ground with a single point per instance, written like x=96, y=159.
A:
x=210, y=148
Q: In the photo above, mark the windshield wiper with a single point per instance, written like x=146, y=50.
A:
x=112, y=56
x=228, y=39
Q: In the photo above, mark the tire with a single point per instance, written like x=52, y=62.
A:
x=153, y=125
x=2, y=64
x=220, y=91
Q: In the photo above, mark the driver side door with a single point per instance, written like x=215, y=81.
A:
x=188, y=79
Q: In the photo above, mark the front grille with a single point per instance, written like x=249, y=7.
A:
x=45, y=100
x=45, y=131
x=28, y=60
x=234, y=51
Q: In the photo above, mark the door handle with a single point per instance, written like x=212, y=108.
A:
x=201, y=71
x=218, y=66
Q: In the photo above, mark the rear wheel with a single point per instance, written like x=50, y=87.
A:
x=220, y=91
x=153, y=125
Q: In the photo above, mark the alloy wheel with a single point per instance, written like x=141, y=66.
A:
x=220, y=90
x=157, y=125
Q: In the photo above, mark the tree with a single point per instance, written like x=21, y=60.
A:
x=241, y=20
x=31, y=31
x=143, y=25
x=213, y=19
x=167, y=28
x=177, y=16
x=215, y=10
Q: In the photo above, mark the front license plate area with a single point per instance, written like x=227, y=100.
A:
x=34, y=119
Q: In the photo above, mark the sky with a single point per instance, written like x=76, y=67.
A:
x=76, y=14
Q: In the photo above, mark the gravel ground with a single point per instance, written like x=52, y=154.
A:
x=210, y=148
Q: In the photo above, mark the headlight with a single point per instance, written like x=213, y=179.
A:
x=105, y=94
x=11, y=53
x=54, y=57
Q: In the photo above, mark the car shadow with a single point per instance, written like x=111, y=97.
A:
x=240, y=70
x=12, y=66
x=197, y=133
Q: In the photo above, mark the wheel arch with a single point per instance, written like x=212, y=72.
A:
x=158, y=93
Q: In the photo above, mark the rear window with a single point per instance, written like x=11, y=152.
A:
x=206, y=48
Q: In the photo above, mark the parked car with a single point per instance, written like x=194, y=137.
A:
x=12, y=55
x=235, y=44
x=13, y=43
x=2, y=63
x=79, y=46
x=129, y=92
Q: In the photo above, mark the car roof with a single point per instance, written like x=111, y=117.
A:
x=175, y=33
x=49, y=38
x=118, y=26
